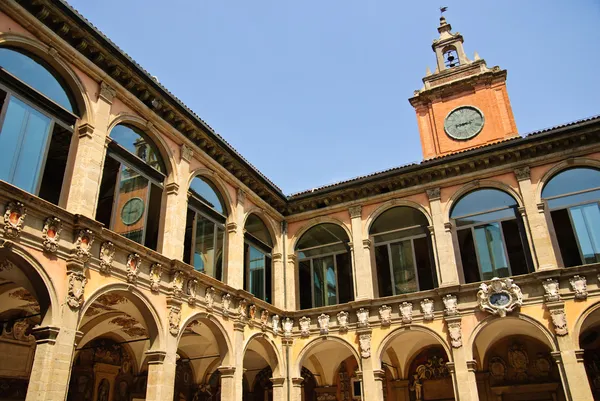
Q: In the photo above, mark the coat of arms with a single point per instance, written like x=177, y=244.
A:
x=499, y=297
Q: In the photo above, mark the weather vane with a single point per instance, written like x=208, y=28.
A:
x=443, y=10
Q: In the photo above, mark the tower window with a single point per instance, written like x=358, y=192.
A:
x=451, y=58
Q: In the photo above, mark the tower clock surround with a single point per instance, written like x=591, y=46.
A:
x=464, y=122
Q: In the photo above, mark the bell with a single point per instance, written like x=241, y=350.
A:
x=450, y=58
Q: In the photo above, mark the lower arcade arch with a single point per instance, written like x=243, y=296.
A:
x=261, y=364
x=588, y=331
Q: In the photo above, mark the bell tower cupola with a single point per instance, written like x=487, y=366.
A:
x=463, y=104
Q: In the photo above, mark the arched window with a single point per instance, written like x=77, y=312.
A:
x=451, y=57
x=403, y=252
x=257, y=258
x=491, y=235
x=573, y=198
x=205, y=229
x=324, y=266
x=36, y=124
x=132, y=186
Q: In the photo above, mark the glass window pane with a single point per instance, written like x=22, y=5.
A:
x=305, y=284
x=572, y=180
x=425, y=271
x=331, y=285
x=325, y=283
x=255, y=227
x=319, y=283
x=344, y=278
x=322, y=251
x=515, y=247
x=403, y=266
x=490, y=249
x=382, y=261
x=322, y=234
x=204, y=248
x=592, y=196
x=586, y=220
x=205, y=191
x=398, y=217
x=399, y=235
x=256, y=266
x=567, y=240
x=35, y=75
x=24, y=136
x=137, y=143
x=485, y=217
x=468, y=255
x=480, y=201
x=129, y=216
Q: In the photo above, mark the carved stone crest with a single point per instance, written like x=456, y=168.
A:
x=243, y=308
x=226, y=300
x=365, y=344
x=385, y=315
x=499, y=297
x=406, y=310
x=427, y=309
x=455, y=332
x=177, y=283
x=323, y=321
x=497, y=368
x=304, y=323
x=133, y=267
x=518, y=361
x=107, y=255
x=51, y=234
x=551, y=288
x=14, y=217
x=342, y=321
x=155, y=276
x=451, y=305
x=363, y=317
x=579, y=286
x=275, y=324
x=193, y=287
x=77, y=282
x=559, y=320
x=83, y=244
x=264, y=319
x=288, y=326
x=209, y=297
x=174, y=320
x=252, y=312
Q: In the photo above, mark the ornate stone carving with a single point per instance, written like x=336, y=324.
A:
x=326, y=397
x=304, y=323
x=523, y=173
x=177, y=283
x=155, y=276
x=83, y=244
x=6, y=265
x=579, y=286
x=406, y=310
x=252, y=312
x=518, y=361
x=433, y=193
x=14, y=218
x=323, y=320
x=51, y=234
x=499, y=297
x=385, y=315
x=106, y=92
x=187, y=153
x=365, y=344
x=226, y=300
x=275, y=324
x=288, y=326
x=264, y=319
x=559, y=320
x=363, y=317
x=192, y=288
x=355, y=211
x=455, y=332
x=107, y=256
x=133, y=267
x=498, y=368
x=77, y=282
x=241, y=196
x=243, y=308
x=209, y=297
x=551, y=287
x=174, y=320
x=427, y=309
x=451, y=305
x=342, y=321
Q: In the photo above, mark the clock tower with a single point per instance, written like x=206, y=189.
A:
x=463, y=104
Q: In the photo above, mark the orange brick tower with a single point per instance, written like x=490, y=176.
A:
x=463, y=104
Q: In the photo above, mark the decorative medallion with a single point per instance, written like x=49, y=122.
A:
x=133, y=267
x=83, y=244
x=77, y=282
x=551, y=288
x=51, y=234
x=542, y=365
x=275, y=324
x=14, y=217
x=342, y=321
x=427, y=309
x=455, y=332
x=518, y=361
x=497, y=368
x=559, y=319
x=385, y=315
x=406, y=310
x=323, y=320
x=451, y=305
x=209, y=297
x=155, y=277
x=226, y=300
x=365, y=345
x=499, y=297
x=107, y=255
x=193, y=287
x=288, y=326
x=177, y=283
x=579, y=285
x=363, y=317
x=174, y=320
x=464, y=122
x=304, y=323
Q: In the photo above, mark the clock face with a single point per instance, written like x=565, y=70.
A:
x=132, y=211
x=464, y=122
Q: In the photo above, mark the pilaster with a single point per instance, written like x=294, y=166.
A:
x=572, y=370
x=363, y=275
x=235, y=243
x=463, y=376
x=162, y=365
x=448, y=270
x=296, y=389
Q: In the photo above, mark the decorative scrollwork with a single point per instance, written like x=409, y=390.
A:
x=51, y=234
x=107, y=255
x=14, y=218
x=499, y=297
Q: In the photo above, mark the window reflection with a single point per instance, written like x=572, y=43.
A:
x=257, y=258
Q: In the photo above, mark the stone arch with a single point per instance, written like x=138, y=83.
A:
x=268, y=222
x=416, y=329
x=582, y=321
x=483, y=184
x=162, y=146
x=315, y=222
x=224, y=342
x=501, y=327
x=41, y=283
x=140, y=300
x=390, y=205
x=219, y=184
x=308, y=347
x=560, y=167
x=272, y=352
x=61, y=67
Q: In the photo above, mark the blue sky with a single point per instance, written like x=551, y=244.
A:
x=315, y=91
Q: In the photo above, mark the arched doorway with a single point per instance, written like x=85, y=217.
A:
x=261, y=364
x=589, y=342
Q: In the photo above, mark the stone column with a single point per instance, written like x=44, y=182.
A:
x=461, y=369
x=296, y=389
x=172, y=231
x=401, y=388
x=237, y=372
x=372, y=383
x=278, y=388
x=362, y=274
x=80, y=187
x=227, y=383
x=235, y=244
x=543, y=252
x=292, y=285
x=161, y=372
x=278, y=286
x=448, y=268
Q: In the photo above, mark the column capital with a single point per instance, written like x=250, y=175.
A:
x=107, y=92
x=355, y=211
x=85, y=130
x=186, y=153
x=297, y=381
x=472, y=366
x=292, y=258
x=451, y=367
x=523, y=173
x=227, y=371
x=172, y=188
x=45, y=334
x=579, y=353
x=367, y=243
x=277, y=381
x=155, y=357
x=434, y=194
x=276, y=257
x=557, y=356
x=379, y=375
x=232, y=227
